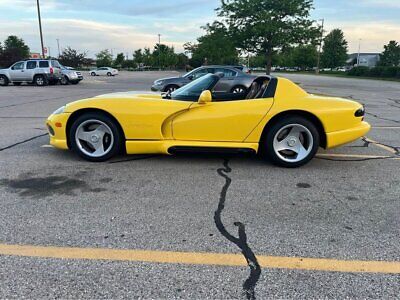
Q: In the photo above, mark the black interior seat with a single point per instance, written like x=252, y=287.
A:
x=254, y=89
x=262, y=89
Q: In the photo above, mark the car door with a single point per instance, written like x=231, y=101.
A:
x=226, y=83
x=30, y=70
x=225, y=121
x=17, y=71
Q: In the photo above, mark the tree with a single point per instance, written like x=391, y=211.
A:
x=334, y=52
x=265, y=26
x=119, y=60
x=14, y=49
x=103, y=58
x=391, y=56
x=304, y=56
x=72, y=58
x=215, y=47
x=138, y=56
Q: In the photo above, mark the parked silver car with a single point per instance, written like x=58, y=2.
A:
x=38, y=71
x=70, y=75
x=233, y=80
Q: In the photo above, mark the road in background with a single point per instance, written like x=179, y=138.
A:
x=343, y=206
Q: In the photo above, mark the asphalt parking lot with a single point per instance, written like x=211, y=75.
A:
x=192, y=226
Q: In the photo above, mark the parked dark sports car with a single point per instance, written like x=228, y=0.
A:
x=233, y=79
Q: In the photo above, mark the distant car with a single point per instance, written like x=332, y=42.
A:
x=103, y=71
x=341, y=69
x=69, y=75
x=233, y=80
x=38, y=71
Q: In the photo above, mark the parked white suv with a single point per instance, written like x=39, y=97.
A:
x=38, y=71
x=104, y=71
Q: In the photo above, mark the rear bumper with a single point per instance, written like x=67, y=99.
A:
x=57, y=125
x=338, y=138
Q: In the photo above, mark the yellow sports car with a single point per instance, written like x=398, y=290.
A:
x=275, y=118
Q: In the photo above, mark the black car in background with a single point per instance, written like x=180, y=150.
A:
x=233, y=80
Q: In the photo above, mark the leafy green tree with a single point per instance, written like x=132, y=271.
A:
x=138, y=56
x=304, y=56
x=119, y=60
x=391, y=56
x=128, y=64
x=182, y=61
x=147, y=57
x=103, y=58
x=164, y=56
x=215, y=47
x=14, y=49
x=72, y=58
x=266, y=26
x=334, y=51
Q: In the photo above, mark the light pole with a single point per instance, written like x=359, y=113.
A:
x=320, y=47
x=40, y=27
x=358, y=54
x=159, y=51
x=58, y=46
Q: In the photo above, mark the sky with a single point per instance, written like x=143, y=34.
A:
x=126, y=25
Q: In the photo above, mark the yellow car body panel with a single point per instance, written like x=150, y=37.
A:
x=335, y=114
x=152, y=124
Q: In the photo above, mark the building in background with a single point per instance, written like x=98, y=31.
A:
x=366, y=59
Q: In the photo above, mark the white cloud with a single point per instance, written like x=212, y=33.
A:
x=83, y=35
x=382, y=3
x=373, y=35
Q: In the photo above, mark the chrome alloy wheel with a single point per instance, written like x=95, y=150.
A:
x=94, y=138
x=293, y=143
x=238, y=90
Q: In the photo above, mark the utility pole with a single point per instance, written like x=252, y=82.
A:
x=48, y=48
x=58, y=46
x=320, y=47
x=40, y=27
x=159, y=51
x=358, y=54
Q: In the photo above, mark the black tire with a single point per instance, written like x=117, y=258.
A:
x=17, y=83
x=118, y=139
x=93, y=74
x=239, y=89
x=4, y=80
x=267, y=147
x=40, y=80
x=64, y=80
x=109, y=74
x=171, y=88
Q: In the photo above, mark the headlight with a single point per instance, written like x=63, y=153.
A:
x=59, y=111
x=360, y=112
x=158, y=82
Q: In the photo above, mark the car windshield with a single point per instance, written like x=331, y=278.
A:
x=192, y=91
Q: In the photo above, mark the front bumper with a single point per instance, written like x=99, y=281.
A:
x=57, y=125
x=338, y=138
x=157, y=88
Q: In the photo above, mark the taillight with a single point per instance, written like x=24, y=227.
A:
x=51, y=70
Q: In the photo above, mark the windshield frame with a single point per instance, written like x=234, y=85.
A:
x=190, y=91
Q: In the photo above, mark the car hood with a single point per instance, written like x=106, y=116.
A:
x=132, y=94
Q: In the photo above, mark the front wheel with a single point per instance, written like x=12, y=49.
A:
x=291, y=142
x=95, y=137
x=93, y=74
x=64, y=80
x=171, y=88
x=109, y=74
x=239, y=90
x=3, y=80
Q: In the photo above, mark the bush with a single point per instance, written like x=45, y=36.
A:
x=390, y=72
x=359, y=71
x=376, y=72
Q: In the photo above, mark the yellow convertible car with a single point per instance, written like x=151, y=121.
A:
x=275, y=118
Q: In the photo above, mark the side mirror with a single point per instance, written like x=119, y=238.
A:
x=190, y=77
x=205, y=97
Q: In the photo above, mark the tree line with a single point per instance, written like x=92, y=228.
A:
x=263, y=32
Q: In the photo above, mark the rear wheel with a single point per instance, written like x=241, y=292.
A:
x=109, y=74
x=40, y=80
x=95, y=137
x=3, y=80
x=291, y=142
